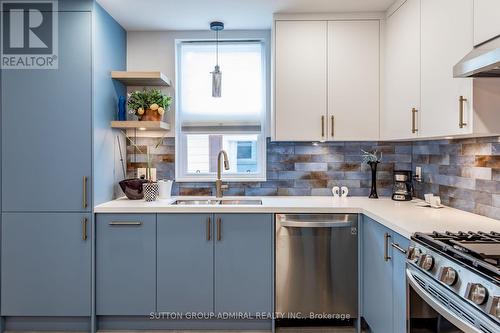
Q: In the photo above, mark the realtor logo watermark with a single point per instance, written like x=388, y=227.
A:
x=29, y=34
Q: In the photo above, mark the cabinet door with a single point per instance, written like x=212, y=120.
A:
x=446, y=38
x=399, y=282
x=353, y=80
x=377, y=278
x=45, y=264
x=185, y=263
x=486, y=22
x=46, y=126
x=125, y=264
x=300, y=80
x=243, y=263
x=402, y=72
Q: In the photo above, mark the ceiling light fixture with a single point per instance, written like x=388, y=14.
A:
x=216, y=74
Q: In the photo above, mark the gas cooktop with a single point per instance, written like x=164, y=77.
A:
x=479, y=251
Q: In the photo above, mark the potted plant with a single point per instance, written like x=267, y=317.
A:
x=149, y=104
x=372, y=159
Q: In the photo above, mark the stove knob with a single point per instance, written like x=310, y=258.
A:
x=449, y=276
x=478, y=294
x=427, y=262
x=414, y=254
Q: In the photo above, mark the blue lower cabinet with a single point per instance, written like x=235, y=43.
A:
x=243, y=263
x=185, y=263
x=46, y=264
x=376, y=278
x=399, y=291
x=383, y=278
x=125, y=264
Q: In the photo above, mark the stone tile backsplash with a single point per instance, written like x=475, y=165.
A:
x=465, y=172
x=293, y=168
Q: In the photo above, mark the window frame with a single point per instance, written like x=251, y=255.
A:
x=181, y=174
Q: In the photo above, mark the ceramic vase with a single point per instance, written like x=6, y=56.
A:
x=151, y=191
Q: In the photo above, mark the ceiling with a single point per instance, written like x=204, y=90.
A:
x=236, y=14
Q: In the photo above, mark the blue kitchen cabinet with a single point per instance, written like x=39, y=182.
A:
x=399, y=291
x=46, y=264
x=383, y=278
x=185, y=263
x=376, y=278
x=46, y=127
x=125, y=264
x=244, y=263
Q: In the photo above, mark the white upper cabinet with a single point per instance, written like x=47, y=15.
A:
x=446, y=37
x=300, y=83
x=400, y=111
x=486, y=20
x=326, y=80
x=353, y=80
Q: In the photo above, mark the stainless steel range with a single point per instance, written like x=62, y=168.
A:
x=454, y=282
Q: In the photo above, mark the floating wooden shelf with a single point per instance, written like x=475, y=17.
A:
x=141, y=125
x=141, y=78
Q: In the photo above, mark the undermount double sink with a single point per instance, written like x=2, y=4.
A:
x=197, y=202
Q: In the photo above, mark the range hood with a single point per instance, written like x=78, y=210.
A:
x=482, y=61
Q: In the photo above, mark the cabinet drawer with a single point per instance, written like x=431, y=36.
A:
x=125, y=264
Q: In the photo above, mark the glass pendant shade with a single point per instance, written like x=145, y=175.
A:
x=216, y=74
x=216, y=82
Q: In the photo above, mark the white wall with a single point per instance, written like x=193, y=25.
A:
x=155, y=51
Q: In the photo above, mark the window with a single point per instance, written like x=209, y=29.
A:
x=234, y=122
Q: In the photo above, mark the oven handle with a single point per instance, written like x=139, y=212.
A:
x=451, y=317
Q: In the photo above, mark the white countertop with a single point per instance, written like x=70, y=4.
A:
x=404, y=218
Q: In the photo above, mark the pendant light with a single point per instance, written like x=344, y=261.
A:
x=216, y=74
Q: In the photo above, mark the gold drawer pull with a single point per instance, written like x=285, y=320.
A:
x=84, y=228
x=333, y=127
x=322, y=126
x=414, y=128
x=219, y=229
x=209, y=229
x=84, y=192
x=386, y=247
x=461, y=122
x=125, y=223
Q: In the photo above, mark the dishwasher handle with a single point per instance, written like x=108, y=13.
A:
x=332, y=221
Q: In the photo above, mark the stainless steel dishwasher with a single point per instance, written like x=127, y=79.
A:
x=316, y=266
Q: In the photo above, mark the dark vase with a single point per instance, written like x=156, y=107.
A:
x=373, y=190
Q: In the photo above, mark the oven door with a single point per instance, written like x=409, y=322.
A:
x=433, y=308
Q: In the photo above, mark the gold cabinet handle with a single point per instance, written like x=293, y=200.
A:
x=333, y=127
x=386, y=247
x=84, y=192
x=461, y=101
x=125, y=223
x=84, y=228
x=414, y=128
x=322, y=126
x=209, y=229
x=219, y=228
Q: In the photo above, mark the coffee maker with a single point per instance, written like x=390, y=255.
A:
x=403, y=186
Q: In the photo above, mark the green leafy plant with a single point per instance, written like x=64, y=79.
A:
x=153, y=99
x=372, y=157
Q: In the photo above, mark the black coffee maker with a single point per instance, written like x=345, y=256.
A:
x=403, y=185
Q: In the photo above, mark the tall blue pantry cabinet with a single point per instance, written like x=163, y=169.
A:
x=57, y=162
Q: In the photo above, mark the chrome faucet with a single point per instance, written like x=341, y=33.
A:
x=218, y=183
